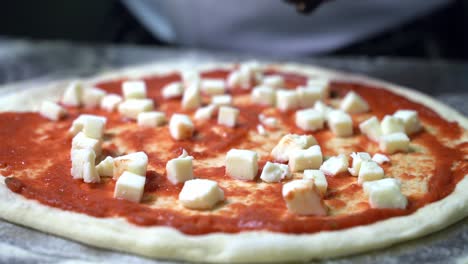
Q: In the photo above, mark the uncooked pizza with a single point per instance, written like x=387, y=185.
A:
x=245, y=162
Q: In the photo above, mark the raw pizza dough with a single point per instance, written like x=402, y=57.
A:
x=165, y=242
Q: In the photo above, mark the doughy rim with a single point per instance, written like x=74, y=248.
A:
x=251, y=246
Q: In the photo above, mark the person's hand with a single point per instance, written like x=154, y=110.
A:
x=305, y=6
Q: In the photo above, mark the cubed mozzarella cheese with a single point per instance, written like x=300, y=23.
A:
x=394, y=142
x=261, y=130
x=191, y=99
x=227, y=116
x=213, y=86
x=358, y=158
x=181, y=127
x=319, y=179
x=303, y=159
x=410, y=120
x=79, y=122
x=275, y=172
x=172, y=90
x=93, y=126
x=81, y=141
x=130, y=187
x=242, y=164
x=134, y=90
x=92, y=97
x=268, y=121
x=190, y=77
x=303, y=198
x=340, y=123
x=220, y=100
x=132, y=107
x=151, y=119
x=291, y=143
x=370, y=171
x=105, y=168
x=136, y=162
x=83, y=165
x=385, y=193
x=52, y=111
x=391, y=124
x=110, y=102
x=205, y=113
x=323, y=108
x=321, y=84
x=180, y=169
x=380, y=158
x=308, y=95
x=200, y=194
x=309, y=120
x=73, y=94
x=263, y=95
x=335, y=165
x=371, y=128
x=237, y=79
x=275, y=81
x=354, y=104
x=287, y=100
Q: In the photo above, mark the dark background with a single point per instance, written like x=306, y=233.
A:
x=442, y=34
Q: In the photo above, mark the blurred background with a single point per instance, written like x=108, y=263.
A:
x=419, y=28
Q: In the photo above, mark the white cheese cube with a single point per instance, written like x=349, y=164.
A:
x=410, y=120
x=136, y=162
x=73, y=94
x=180, y=169
x=309, y=95
x=81, y=141
x=81, y=160
x=321, y=84
x=92, y=97
x=291, y=143
x=191, y=99
x=303, y=198
x=371, y=128
x=213, y=86
x=268, y=121
x=228, y=116
x=261, y=130
x=385, y=193
x=287, y=100
x=200, y=194
x=110, y=102
x=358, y=158
x=275, y=172
x=78, y=123
x=275, y=81
x=394, y=142
x=105, y=168
x=370, y=171
x=151, y=119
x=391, y=124
x=132, y=107
x=93, y=126
x=130, y=187
x=354, y=104
x=263, y=95
x=134, y=90
x=380, y=158
x=181, y=127
x=172, y=90
x=190, y=77
x=309, y=120
x=205, y=113
x=319, y=178
x=303, y=159
x=323, y=108
x=220, y=100
x=335, y=165
x=340, y=123
x=242, y=164
x=52, y=111
x=237, y=79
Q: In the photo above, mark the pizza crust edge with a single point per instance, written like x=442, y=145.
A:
x=255, y=246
